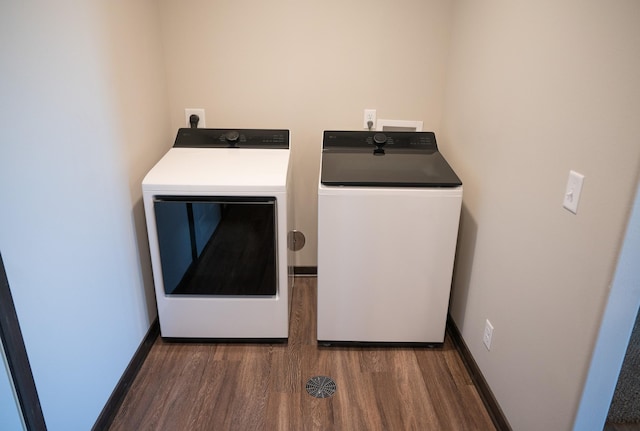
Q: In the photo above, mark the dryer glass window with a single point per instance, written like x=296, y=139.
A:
x=217, y=245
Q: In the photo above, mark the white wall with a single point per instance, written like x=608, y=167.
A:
x=536, y=89
x=306, y=66
x=83, y=114
x=614, y=334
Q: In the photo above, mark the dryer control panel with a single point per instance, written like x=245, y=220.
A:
x=232, y=138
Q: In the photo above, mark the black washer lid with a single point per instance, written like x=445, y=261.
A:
x=384, y=159
x=232, y=138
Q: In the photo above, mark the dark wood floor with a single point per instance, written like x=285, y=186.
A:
x=196, y=386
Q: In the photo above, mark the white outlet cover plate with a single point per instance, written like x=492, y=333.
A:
x=572, y=193
x=488, y=334
x=199, y=112
x=369, y=115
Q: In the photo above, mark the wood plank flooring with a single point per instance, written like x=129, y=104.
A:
x=198, y=386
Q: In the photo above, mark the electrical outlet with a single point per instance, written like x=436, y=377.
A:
x=488, y=334
x=572, y=193
x=370, y=115
x=197, y=111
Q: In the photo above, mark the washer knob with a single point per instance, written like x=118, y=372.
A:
x=379, y=138
x=232, y=136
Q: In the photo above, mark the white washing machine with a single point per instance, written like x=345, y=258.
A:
x=388, y=213
x=217, y=208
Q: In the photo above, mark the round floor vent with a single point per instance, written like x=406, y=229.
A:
x=321, y=387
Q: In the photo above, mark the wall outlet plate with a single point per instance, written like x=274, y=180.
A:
x=369, y=115
x=199, y=112
x=488, y=334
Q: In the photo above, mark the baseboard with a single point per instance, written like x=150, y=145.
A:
x=117, y=396
x=305, y=271
x=489, y=400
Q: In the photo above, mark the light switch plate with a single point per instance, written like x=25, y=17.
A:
x=572, y=193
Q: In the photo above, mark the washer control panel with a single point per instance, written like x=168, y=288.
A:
x=361, y=139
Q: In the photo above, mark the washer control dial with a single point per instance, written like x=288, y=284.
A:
x=379, y=138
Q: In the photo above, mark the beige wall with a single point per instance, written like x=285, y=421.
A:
x=308, y=67
x=133, y=55
x=84, y=116
x=536, y=89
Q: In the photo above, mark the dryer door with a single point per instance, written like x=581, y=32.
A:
x=217, y=245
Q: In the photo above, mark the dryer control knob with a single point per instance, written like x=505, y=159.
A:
x=232, y=136
x=379, y=138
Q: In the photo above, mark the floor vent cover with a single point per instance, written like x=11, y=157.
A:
x=321, y=387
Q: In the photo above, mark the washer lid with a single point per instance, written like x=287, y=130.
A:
x=389, y=159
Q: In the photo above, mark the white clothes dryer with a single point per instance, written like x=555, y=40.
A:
x=216, y=207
